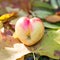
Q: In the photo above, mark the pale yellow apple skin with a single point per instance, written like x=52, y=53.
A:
x=35, y=30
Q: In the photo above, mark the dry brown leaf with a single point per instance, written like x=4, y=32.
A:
x=22, y=58
x=17, y=51
x=58, y=13
x=10, y=48
x=53, y=18
x=7, y=40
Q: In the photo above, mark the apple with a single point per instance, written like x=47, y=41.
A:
x=29, y=31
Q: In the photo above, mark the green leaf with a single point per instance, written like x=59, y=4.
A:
x=49, y=44
x=54, y=4
x=2, y=11
x=58, y=2
x=40, y=4
x=51, y=25
x=42, y=13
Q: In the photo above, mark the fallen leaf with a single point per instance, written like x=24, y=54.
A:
x=7, y=40
x=13, y=22
x=2, y=10
x=1, y=24
x=40, y=4
x=49, y=45
x=57, y=53
x=10, y=9
x=53, y=18
x=51, y=25
x=22, y=58
x=42, y=13
x=58, y=13
x=11, y=49
x=17, y=51
x=9, y=32
x=20, y=12
x=54, y=4
x=6, y=16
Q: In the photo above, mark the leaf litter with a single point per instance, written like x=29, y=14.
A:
x=10, y=48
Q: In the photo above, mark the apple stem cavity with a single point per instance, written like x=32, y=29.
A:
x=26, y=25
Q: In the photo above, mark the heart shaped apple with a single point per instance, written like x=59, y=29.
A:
x=29, y=31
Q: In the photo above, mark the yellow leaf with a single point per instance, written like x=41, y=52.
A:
x=6, y=17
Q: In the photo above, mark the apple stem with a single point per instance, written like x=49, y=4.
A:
x=33, y=14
